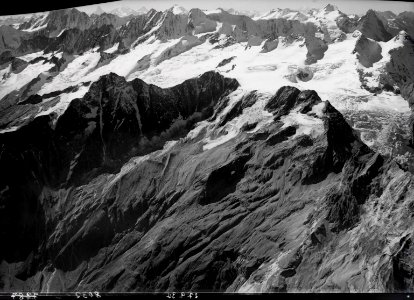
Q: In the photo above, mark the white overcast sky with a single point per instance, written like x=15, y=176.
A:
x=347, y=6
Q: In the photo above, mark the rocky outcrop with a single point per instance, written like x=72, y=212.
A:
x=66, y=30
x=347, y=24
x=76, y=41
x=10, y=38
x=243, y=23
x=18, y=65
x=98, y=133
x=405, y=21
x=58, y=20
x=199, y=22
x=395, y=23
x=109, y=19
x=237, y=109
x=368, y=51
x=316, y=49
x=286, y=28
x=372, y=27
x=172, y=26
x=400, y=70
x=269, y=45
x=304, y=74
x=135, y=28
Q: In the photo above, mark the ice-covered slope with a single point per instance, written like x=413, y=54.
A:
x=168, y=47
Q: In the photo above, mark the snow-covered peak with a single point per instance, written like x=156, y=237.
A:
x=326, y=16
x=123, y=11
x=37, y=23
x=178, y=10
x=356, y=33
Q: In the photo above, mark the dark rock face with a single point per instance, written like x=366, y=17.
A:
x=247, y=101
x=316, y=49
x=403, y=267
x=138, y=27
x=396, y=23
x=6, y=57
x=62, y=19
x=71, y=31
x=400, y=70
x=114, y=121
x=284, y=100
x=269, y=45
x=304, y=74
x=183, y=218
x=75, y=41
x=405, y=21
x=225, y=61
x=372, y=27
x=368, y=52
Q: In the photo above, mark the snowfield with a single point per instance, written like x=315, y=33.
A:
x=167, y=63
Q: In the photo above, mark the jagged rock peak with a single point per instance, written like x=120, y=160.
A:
x=372, y=27
x=368, y=51
x=330, y=7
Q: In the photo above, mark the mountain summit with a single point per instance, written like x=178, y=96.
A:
x=178, y=10
x=330, y=7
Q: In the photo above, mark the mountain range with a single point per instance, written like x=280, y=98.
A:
x=207, y=150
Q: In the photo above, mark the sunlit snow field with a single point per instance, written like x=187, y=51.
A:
x=335, y=76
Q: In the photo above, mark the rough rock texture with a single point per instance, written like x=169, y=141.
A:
x=114, y=121
x=368, y=51
x=395, y=23
x=372, y=27
x=400, y=71
x=316, y=49
x=304, y=74
x=271, y=210
x=237, y=109
x=269, y=45
x=18, y=65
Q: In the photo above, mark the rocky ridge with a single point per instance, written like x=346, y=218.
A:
x=255, y=213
